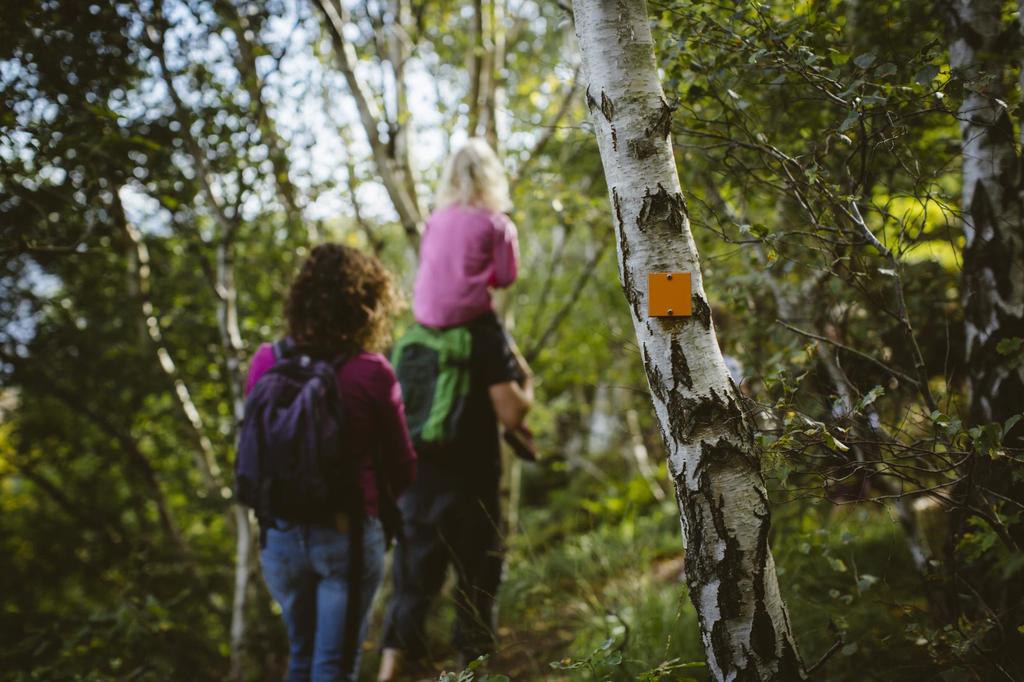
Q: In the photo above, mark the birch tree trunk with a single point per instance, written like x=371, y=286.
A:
x=390, y=156
x=231, y=342
x=713, y=461
x=205, y=459
x=993, y=269
x=230, y=336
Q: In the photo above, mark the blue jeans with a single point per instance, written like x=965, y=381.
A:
x=306, y=569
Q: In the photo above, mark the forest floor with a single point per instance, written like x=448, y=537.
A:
x=594, y=590
x=528, y=647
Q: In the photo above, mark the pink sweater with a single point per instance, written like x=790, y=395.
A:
x=464, y=252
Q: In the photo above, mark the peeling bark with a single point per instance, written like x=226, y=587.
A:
x=712, y=457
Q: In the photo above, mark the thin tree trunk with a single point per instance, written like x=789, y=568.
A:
x=230, y=336
x=494, y=93
x=641, y=457
x=204, y=458
x=395, y=173
x=400, y=128
x=992, y=287
x=993, y=269
x=713, y=461
x=231, y=341
x=277, y=149
x=205, y=461
x=476, y=67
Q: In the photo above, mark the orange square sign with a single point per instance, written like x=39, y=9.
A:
x=668, y=294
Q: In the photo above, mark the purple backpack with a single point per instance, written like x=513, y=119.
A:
x=292, y=463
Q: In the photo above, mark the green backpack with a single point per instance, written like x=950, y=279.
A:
x=432, y=366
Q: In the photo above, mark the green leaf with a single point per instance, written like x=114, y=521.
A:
x=864, y=60
x=759, y=230
x=835, y=443
x=926, y=74
x=850, y=120
x=1009, y=346
x=1010, y=423
x=850, y=649
x=870, y=397
x=886, y=69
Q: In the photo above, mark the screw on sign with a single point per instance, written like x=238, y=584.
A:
x=669, y=294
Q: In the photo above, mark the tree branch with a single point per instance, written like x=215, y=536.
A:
x=388, y=166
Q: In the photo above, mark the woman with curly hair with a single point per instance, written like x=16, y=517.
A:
x=339, y=307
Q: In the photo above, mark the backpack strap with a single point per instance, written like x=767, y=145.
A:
x=283, y=348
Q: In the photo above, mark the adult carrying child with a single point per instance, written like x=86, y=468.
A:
x=461, y=376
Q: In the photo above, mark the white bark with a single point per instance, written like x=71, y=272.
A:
x=231, y=339
x=641, y=456
x=204, y=457
x=240, y=24
x=993, y=271
x=390, y=160
x=205, y=461
x=231, y=342
x=712, y=458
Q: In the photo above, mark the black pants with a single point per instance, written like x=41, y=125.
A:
x=446, y=521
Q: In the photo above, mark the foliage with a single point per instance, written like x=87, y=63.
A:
x=148, y=146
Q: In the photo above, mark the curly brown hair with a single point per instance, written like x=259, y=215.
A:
x=341, y=301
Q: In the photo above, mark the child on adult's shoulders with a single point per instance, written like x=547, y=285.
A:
x=470, y=247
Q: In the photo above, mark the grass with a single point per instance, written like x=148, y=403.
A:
x=594, y=590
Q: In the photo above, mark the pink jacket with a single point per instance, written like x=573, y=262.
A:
x=464, y=252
